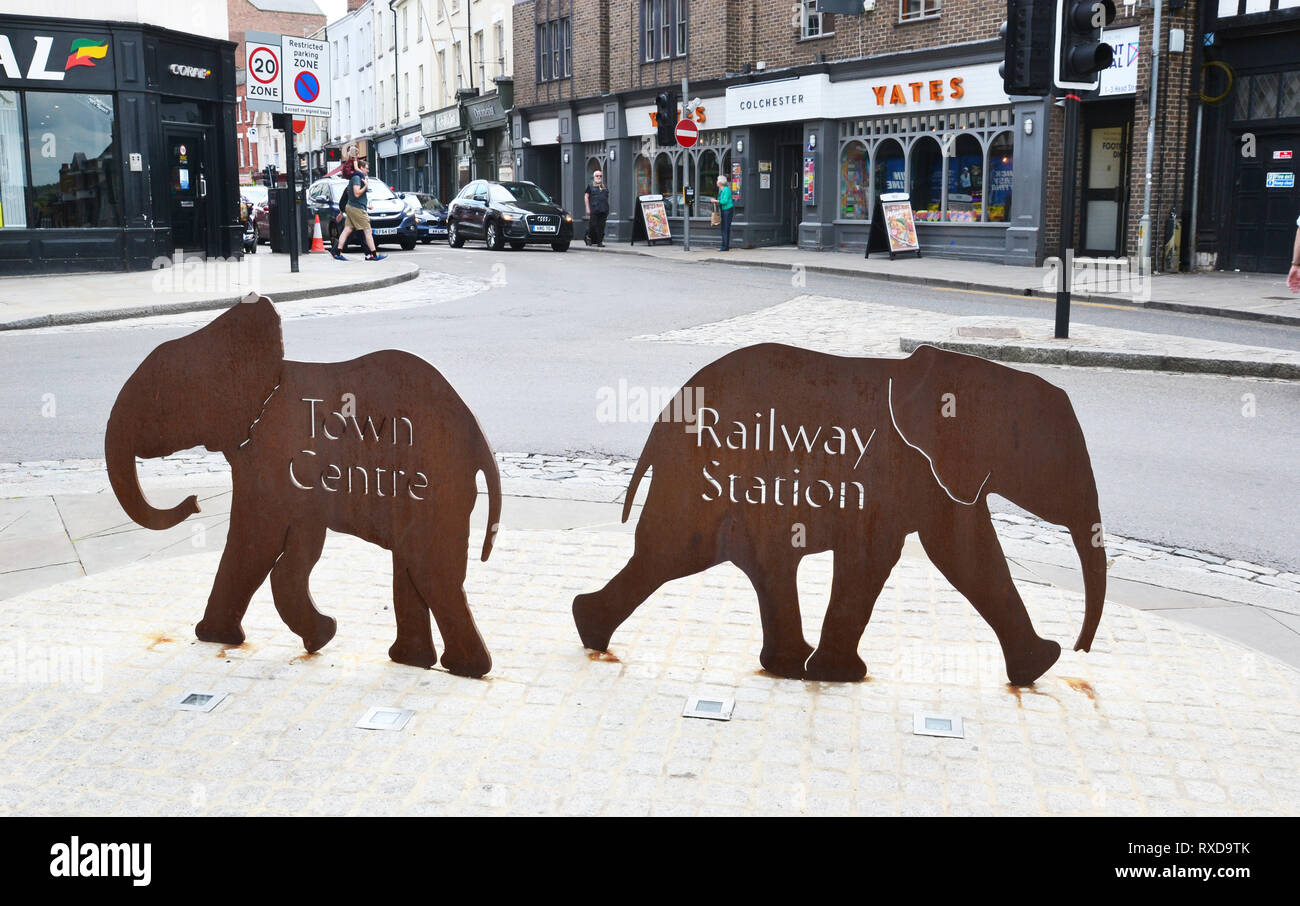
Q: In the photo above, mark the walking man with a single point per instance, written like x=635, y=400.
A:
x=358, y=218
x=727, y=207
x=597, y=200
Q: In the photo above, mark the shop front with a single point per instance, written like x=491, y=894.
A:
x=386, y=165
x=412, y=173
x=489, y=134
x=1250, y=155
x=444, y=131
x=814, y=152
x=117, y=146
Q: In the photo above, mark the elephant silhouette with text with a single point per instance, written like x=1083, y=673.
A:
x=869, y=450
x=380, y=447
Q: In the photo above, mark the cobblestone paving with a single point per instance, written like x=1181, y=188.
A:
x=850, y=327
x=1160, y=719
x=538, y=474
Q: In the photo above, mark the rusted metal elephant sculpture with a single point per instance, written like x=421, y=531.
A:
x=401, y=474
x=793, y=452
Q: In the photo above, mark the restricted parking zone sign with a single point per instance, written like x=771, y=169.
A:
x=306, y=80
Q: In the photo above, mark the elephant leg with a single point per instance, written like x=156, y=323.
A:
x=858, y=578
x=414, y=643
x=962, y=544
x=785, y=651
x=289, y=587
x=659, y=557
x=440, y=578
x=252, y=544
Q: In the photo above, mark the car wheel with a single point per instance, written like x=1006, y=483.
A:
x=493, y=236
x=517, y=245
x=454, y=238
x=408, y=244
x=561, y=246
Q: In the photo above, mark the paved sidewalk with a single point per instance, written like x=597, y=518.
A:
x=29, y=301
x=1159, y=719
x=854, y=327
x=1257, y=297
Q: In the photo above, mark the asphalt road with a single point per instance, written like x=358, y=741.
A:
x=1177, y=461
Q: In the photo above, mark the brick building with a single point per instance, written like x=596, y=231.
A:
x=814, y=115
x=286, y=17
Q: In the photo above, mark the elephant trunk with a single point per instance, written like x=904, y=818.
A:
x=120, y=448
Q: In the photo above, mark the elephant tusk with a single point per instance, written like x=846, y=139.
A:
x=933, y=471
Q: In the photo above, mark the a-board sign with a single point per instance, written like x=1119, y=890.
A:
x=263, y=70
x=650, y=221
x=893, y=228
x=380, y=447
x=787, y=451
x=306, y=83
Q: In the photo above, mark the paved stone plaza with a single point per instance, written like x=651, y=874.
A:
x=1161, y=718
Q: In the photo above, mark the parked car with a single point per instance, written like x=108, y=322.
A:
x=388, y=217
x=429, y=215
x=250, y=197
x=517, y=213
x=253, y=212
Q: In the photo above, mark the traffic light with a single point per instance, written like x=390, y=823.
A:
x=1080, y=53
x=666, y=119
x=1027, y=35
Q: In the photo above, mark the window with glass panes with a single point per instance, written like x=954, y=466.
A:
x=909, y=10
x=665, y=29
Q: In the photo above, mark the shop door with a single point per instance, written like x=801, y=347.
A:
x=790, y=197
x=1264, y=204
x=187, y=187
x=1106, y=152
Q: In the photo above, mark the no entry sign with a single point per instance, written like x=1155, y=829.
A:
x=687, y=133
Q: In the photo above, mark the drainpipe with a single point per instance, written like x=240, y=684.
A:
x=397, y=109
x=1145, y=228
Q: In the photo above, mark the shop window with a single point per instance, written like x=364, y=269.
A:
x=1263, y=96
x=925, y=178
x=73, y=159
x=642, y=170
x=1000, y=173
x=1241, y=99
x=966, y=180
x=889, y=170
x=13, y=210
x=664, y=173
x=1289, y=103
x=710, y=168
x=855, y=185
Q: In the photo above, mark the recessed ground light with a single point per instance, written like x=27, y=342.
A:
x=927, y=724
x=198, y=701
x=385, y=719
x=709, y=708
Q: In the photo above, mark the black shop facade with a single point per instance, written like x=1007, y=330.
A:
x=117, y=146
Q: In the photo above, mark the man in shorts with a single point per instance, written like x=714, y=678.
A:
x=356, y=214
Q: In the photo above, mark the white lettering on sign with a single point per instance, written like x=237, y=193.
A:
x=1281, y=155
x=37, y=68
x=190, y=72
x=1280, y=180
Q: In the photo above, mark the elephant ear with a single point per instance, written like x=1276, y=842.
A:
x=219, y=377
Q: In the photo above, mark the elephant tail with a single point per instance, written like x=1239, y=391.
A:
x=1092, y=557
x=493, y=478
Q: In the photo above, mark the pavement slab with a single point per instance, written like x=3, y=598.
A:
x=1161, y=718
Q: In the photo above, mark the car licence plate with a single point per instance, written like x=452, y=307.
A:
x=544, y=228
x=385, y=231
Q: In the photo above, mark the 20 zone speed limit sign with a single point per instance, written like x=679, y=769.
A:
x=263, y=82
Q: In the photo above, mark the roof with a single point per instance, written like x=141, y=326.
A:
x=301, y=7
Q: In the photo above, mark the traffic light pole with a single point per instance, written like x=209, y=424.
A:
x=1065, y=242
x=686, y=221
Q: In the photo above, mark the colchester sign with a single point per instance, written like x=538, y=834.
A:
x=798, y=452
x=380, y=447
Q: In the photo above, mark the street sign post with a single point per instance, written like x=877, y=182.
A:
x=262, y=52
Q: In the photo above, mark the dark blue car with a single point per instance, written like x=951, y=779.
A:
x=427, y=215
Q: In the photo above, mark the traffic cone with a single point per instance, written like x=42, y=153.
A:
x=317, y=243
